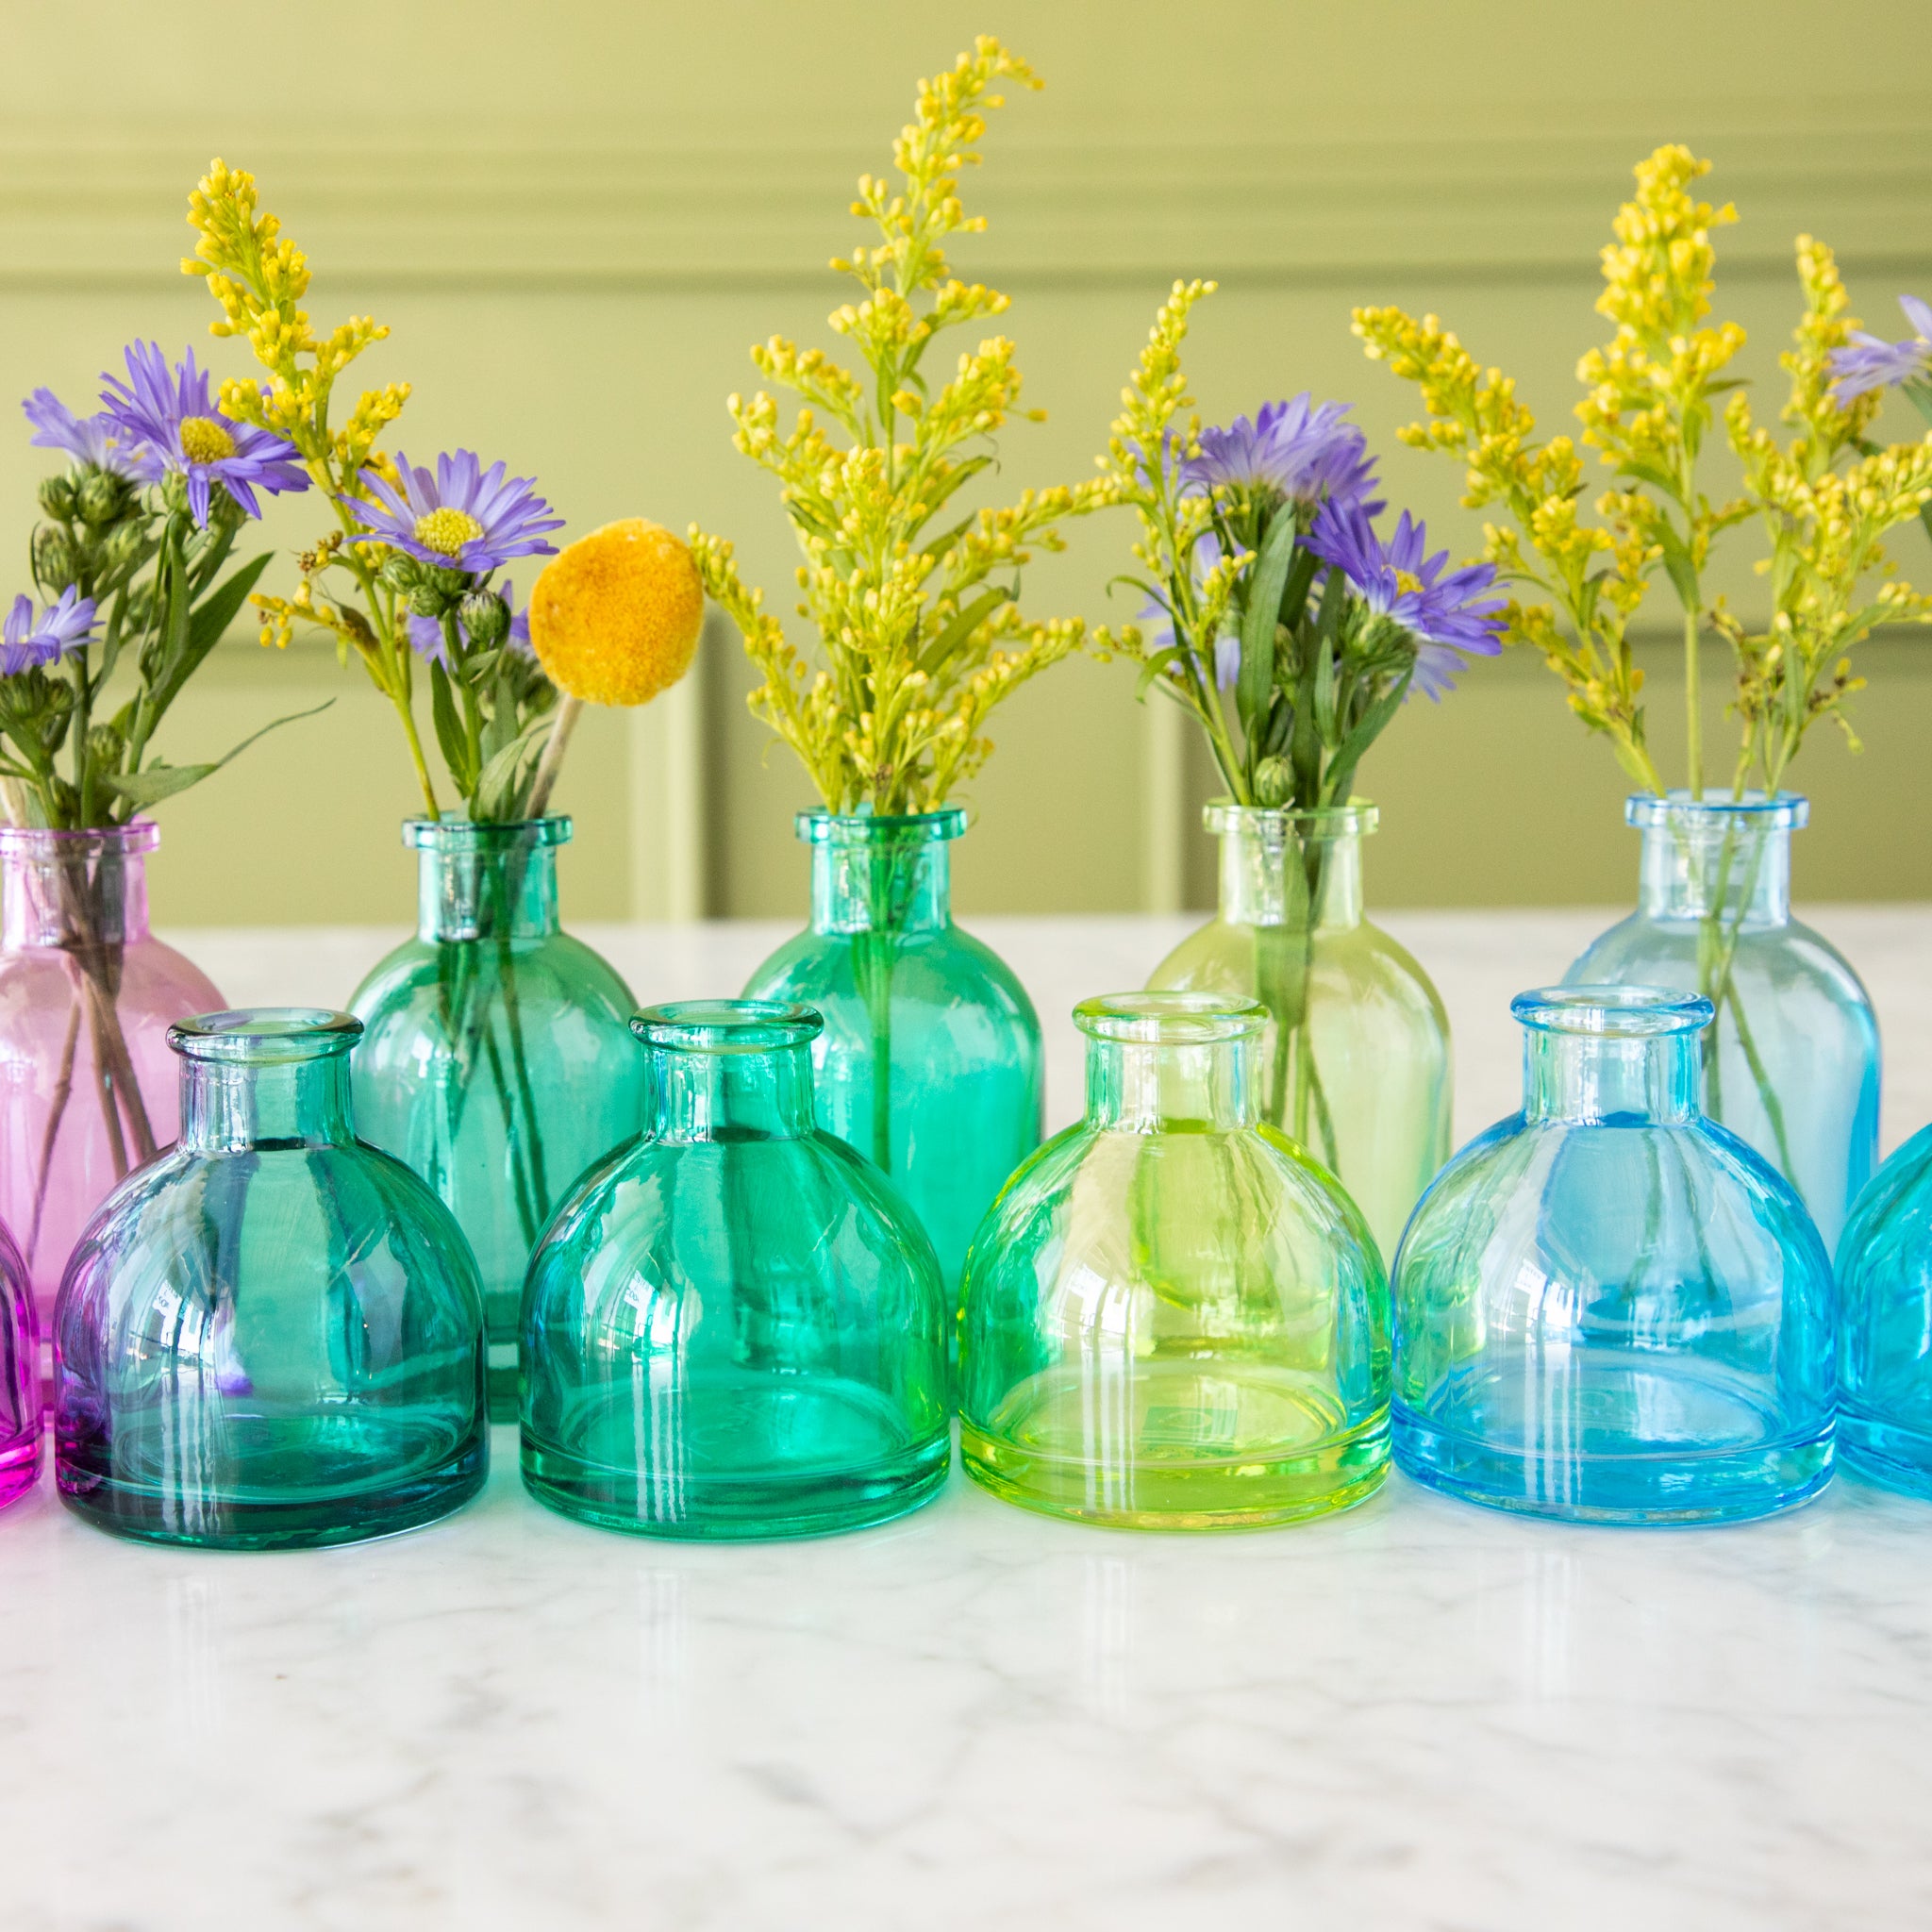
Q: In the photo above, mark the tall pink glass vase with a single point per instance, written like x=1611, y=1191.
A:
x=20, y=1392
x=88, y=1085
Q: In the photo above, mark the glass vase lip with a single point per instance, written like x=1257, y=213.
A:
x=48, y=841
x=1613, y=1012
x=1718, y=810
x=265, y=1036
x=1170, y=1019
x=485, y=835
x=818, y=827
x=1277, y=823
x=721, y=1026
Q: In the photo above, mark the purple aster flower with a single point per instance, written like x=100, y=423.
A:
x=62, y=627
x=464, y=517
x=1302, y=448
x=426, y=639
x=95, y=440
x=1158, y=625
x=1445, y=614
x=1873, y=363
x=168, y=417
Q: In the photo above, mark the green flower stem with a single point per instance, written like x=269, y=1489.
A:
x=1693, y=715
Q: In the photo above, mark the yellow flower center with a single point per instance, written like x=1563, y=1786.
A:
x=205, y=440
x=447, y=530
x=1408, y=583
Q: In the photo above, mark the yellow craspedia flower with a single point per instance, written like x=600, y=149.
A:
x=614, y=617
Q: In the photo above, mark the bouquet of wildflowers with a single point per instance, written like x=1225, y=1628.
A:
x=1287, y=624
x=133, y=591
x=1823, y=498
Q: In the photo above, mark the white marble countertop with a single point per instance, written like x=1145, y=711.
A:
x=1419, y=1716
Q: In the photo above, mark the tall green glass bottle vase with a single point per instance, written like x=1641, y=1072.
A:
x=496, y=1057
x=931, y=1061
x=735, y=1328
x=1355, y=1062
x=271, y=1335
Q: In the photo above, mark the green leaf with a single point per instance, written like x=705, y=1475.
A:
x=160, y=781
x=450, y=734
x=962, y=627
x=1371, y=723
x=203, y=629
x=504, y=775
x=1327, y=719
x=1683, y=573
x=1152, y=667
x=1255, y=682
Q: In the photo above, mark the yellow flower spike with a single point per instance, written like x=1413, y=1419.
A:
x=615, y=616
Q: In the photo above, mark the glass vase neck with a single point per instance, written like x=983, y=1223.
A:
x=872, y=873
x=1164, y=1062
x=1292, y=868
x=480, y=881
x=74, y=890
x=1718, y=857
x=265, y=1078
x=1611, y=1056
x=728, y=1070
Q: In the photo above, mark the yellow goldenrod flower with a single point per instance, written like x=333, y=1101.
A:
x=615, y=616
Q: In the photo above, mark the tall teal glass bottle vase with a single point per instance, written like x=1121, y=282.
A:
x=1355, y=1064
x=735, y=1328
x=1174, y=1318
x=1608, y=1307
x=929, y=1063
x=270, y=1337
x=1791, y=1061
x=496, y=1057
x=1884, y=1324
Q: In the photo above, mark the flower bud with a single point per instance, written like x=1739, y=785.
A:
x=485, y=619
x=1274, y=781
x=426, y=600
x=54, y=560
x=56, y=496
x=401, y=572
x=102, y=497
x=452, y=583
x=121, y=549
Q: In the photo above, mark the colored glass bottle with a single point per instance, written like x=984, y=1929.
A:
x=1354, y=1062
x=87, y=995
x=1174, y=1318
x=931, y=1061
x=272, y=1336
x=735, y=1328
x=21, y=1407
x=1608, y=1307
x=1884, y=1324
x=496, y=1057
x=1791, y=1061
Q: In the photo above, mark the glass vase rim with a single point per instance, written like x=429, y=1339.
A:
x=135, y=837
x=1170, y=1018
x=1613, y=1012
x=1358, y=817
x=485, y=835
x=1717, y=809
x=727, y=1026
x=264, y=1036
x=819, y=825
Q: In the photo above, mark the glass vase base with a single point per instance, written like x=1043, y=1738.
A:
x=1190, y=1449
x=20, y=1464
x=1883, y=1453
x=296, y=1485
x=1646, y=1487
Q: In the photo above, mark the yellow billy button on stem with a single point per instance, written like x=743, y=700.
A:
x=614, y=619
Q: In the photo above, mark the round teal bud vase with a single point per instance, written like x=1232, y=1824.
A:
x=1608, y=1307
x=735, y=1328
x=270, y=1337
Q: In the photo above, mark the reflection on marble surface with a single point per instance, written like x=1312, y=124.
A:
x=1418, y=1716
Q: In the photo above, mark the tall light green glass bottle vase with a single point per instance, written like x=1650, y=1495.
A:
x=1355, y=1062
x=735, y=1328
x=1174, y=1318
x=497, y=1057
x=929, y=1063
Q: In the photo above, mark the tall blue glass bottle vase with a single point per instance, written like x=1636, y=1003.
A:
x=1608, y=1307
x=496, y=1057
x=1791, y=1061
x=931, y=1060
x=735, y=1328
x=1884, y=1324
x=270, y=1337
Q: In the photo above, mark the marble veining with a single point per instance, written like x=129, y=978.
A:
x=1418, y=1716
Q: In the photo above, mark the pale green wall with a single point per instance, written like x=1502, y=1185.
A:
x=577, y=216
